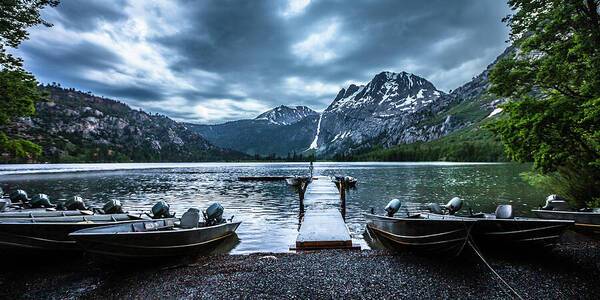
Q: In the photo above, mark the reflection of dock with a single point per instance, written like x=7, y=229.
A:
x=323, y=225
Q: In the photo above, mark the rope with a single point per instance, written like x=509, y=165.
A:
x=492, y=269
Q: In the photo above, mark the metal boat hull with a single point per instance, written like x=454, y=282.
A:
x=582, y=219
x=444, y=236
x=167, y=243
x=42, y=213
x=518, y=232
x=48, y=234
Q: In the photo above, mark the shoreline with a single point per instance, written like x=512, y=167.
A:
x=570, y=270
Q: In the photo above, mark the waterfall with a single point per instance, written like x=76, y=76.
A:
x=314, y=144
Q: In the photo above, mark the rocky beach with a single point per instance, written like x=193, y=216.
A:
x=568, y=271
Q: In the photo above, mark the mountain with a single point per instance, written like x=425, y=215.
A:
x=382, y=109
x=391, y=110
x=73, y=126
x=280, y=131
x=456, y=131
x=285, y=115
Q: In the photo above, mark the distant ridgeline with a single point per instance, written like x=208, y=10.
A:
x=74, y=126
x=396, y=116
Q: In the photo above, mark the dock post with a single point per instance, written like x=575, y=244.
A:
x=343, y=198
x=301, y=192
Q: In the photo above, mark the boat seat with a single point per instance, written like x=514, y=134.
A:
x=435, y=208
x=504, y=211
x=190, y=219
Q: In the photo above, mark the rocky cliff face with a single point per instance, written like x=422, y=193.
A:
x=402, y=108
x=77, y=126
x=380, y=110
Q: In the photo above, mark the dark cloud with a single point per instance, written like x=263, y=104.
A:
x=257, y=55
x=85, y=15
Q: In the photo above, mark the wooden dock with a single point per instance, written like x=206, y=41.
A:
x=323, y=226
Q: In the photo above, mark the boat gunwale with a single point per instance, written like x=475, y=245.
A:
x=82, y=232
x=566, y=212
x=50, y=222
x=451, y=218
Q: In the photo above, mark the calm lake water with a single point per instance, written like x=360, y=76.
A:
x=269, y=210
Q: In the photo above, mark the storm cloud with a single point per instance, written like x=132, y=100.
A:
x=214, y=61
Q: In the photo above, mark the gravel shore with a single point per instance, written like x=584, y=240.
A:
x=571, y=270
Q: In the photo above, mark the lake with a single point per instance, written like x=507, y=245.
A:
x=270, y=210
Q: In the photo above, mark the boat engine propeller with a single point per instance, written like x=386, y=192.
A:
x=213, y=214
x=161, y=210
x=392, y=207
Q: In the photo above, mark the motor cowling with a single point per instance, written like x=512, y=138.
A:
x=40, y=200
x=112, y=207
x=556, y=202
x=214, y=214
x=392, y=207
x=18, y=196
x=74, y=203
x=454, y=205
x=161, y=210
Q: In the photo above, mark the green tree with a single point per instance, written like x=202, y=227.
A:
x=18, y=88
x=553, y=81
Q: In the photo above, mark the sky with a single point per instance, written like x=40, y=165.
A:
x=208, y=62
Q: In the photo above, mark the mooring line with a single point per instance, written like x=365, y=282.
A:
x=472, y=244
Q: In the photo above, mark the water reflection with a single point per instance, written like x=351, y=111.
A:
x=270, y=211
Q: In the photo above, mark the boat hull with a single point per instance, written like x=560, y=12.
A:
x=445, y=237
x=169, y=243
x=522, y=233
x=589, y=219
x=46, y=235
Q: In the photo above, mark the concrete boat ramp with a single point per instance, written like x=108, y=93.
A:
x=323, y=226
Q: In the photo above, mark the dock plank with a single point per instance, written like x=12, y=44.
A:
x=323, y=225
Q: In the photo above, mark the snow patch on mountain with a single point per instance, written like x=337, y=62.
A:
x=285, y=115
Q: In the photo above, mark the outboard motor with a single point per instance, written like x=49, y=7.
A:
x=112, y=207
x=40, y=200
x=18, y=196
x=214, y=214
x=556, y=202
x=75, y=203
x=392, y=207
x=504, y=211
x=161, y=210
x=454, y=205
